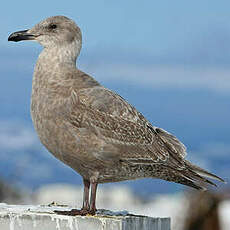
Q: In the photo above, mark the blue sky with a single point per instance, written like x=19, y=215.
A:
x=171, y=59
x=152, y=27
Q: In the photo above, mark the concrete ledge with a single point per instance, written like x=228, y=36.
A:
x=25, y=217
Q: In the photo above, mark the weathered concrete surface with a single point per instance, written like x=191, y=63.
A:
x=24, y=217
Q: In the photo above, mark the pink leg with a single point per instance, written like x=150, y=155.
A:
x=93, y=198
x=86, y=195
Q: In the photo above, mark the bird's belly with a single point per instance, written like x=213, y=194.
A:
x=48, y=131
x=55, y=136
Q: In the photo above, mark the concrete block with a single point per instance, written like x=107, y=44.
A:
x=28, y=217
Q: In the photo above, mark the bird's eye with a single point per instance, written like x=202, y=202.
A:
x=52, y=26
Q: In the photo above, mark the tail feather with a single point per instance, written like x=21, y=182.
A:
x=182, y=177
x=203, y=173
x=188, y=182
x=196, y=177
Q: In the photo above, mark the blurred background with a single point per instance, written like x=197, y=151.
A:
x=170, y=59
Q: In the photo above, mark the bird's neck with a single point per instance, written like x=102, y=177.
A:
x=58, y=56
x=61, y=55
x=53, y=61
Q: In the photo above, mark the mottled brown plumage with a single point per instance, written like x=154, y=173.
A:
x=92, y=129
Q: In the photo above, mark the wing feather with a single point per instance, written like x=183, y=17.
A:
x=119, y=124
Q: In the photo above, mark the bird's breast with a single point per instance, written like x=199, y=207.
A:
x=45, y=104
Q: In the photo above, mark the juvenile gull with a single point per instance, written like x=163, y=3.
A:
x=92, y=129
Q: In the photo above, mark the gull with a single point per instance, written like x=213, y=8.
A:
x=91, y=128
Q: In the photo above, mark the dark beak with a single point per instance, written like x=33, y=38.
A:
x=21, y=35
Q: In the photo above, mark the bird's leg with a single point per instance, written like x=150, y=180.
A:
x=85, y=206
x=92, y=208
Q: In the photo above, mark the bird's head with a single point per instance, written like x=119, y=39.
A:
x=51, y=32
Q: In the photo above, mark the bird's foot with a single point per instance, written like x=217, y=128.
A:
x=76, y=212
